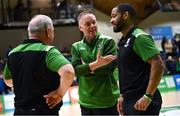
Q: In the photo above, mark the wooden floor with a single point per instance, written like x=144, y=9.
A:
x=169, y=99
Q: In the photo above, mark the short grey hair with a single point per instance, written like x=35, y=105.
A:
x=39, y=23
x=84, y=13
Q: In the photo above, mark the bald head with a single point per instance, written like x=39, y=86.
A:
x=39, y=23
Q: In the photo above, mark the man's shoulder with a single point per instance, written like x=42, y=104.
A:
x=15, y=49
x=105, y=37
x=32, y=47
x=78, y=43
x=48, y=48
x=137, y=32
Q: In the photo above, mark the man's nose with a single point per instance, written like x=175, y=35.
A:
x=92, y=25
x=111, y=21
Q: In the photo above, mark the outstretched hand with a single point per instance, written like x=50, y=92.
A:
x=106, y=59
x=53, y=98
x=101, y=61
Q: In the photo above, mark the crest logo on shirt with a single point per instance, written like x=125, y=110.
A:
x=82, y=49
x=82, y=61
x=127, y=43
x=100, y=46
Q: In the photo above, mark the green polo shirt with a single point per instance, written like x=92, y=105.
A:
x=100, y=89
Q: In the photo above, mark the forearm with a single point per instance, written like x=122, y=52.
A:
x=85, y=70
x=106, y=69
x=67, y=76
x=82, y=69
x=102, y=63
x=65, y=84
x=157, y=68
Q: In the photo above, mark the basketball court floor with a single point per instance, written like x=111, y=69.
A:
x=171, y=104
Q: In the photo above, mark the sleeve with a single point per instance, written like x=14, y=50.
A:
x=7, y=73
x=81, y=69
x=109, y=48
x=145, y=47
x=55, y=60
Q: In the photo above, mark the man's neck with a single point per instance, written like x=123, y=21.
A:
x=126, y=30
x=33, y=36
x=89, y=40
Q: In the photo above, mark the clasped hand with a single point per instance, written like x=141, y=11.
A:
x=142, y=104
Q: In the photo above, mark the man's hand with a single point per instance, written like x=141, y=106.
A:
x=66, y=72
x=53, y=98
x=106, y=59
x=119, y=105
x=101, y=61
x=142, y=104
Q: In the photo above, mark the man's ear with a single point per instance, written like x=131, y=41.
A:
x=47, y=32
x=125, y=15
x=80, y=28
x=46, y=36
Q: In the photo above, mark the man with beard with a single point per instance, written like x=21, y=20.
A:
x=139, y=63
x=93, y=59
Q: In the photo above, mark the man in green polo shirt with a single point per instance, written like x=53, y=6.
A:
x=139, y=63
x=39, y=74
x=94, y=61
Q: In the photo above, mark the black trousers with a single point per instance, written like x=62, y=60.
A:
x=20, y=111
x=99, y=111
x=153, y=108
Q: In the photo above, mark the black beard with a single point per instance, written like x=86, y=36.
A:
x=119, y=26
x=117, y=29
